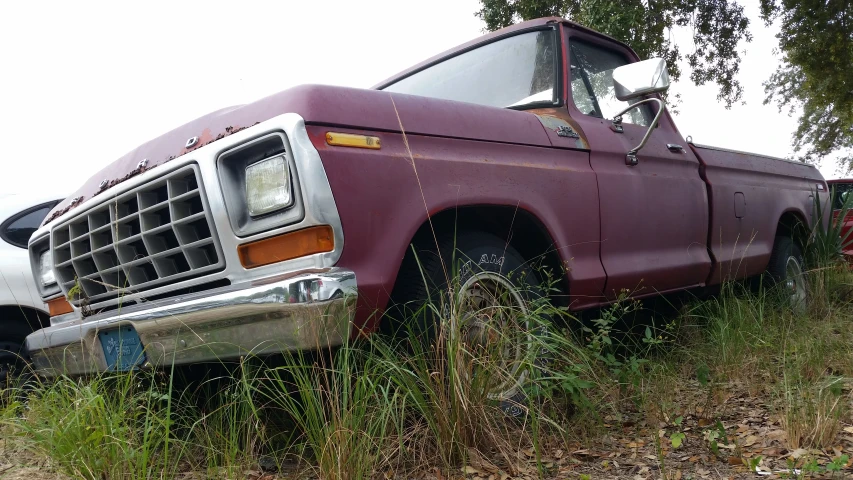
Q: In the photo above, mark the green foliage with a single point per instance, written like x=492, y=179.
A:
x=677, y=439
x=717, y=26
x=345, y=409
x=838, y=463
x=753, y=463
x=816, y=75
x=599, y=341
x=109, y=427
x=716, y=436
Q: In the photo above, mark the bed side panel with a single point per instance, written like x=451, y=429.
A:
x=749, y=194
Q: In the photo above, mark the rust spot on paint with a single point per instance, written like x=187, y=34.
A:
x=206, y=138
x=64, y=210
x=554, y=118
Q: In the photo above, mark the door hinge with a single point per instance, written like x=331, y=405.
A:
x=617, y=125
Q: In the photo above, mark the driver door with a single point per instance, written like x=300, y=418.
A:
x=654, y=215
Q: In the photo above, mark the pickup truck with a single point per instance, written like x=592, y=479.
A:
x=291, y=223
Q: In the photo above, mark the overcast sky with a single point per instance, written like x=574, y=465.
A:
x=82, y=83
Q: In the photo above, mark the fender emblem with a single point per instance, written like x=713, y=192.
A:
x=566, y=131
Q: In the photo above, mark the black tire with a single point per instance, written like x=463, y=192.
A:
x=13, y=355
x=785, y=259
x=469, y=259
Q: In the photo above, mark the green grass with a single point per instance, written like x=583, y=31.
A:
x=380, y=405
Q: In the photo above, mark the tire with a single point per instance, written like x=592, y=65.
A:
x=487, y=276
x=785, y=271
x=14, y=361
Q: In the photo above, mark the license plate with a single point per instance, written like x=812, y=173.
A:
x=122, y=348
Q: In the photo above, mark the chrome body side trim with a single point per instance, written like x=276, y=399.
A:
x=302, y=310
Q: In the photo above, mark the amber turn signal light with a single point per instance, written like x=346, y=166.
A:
x=287, y=246
x=59, y=306
x=350, y=140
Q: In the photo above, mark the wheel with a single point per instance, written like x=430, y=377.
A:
x=786, y=271
x=10, y=356
x=14, y=361
x=486, y=303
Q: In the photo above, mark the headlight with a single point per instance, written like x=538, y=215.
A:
x=267, y=186
x=46, y=269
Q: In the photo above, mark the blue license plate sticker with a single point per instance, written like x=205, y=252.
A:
x=122, y=348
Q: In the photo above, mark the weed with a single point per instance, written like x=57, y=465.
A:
x=109, y=427
x=348, y=413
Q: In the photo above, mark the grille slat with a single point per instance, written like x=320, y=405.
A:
x=154, y=236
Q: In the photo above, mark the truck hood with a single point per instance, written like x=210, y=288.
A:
x=325, y=105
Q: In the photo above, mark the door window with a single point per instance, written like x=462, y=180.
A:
x=592, y=84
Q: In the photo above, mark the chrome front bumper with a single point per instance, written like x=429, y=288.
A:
x=297, y=311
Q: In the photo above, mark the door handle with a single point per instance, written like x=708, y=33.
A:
x=674, y=147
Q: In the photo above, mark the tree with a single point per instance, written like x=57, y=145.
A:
x=717, y=26
x=816, y=74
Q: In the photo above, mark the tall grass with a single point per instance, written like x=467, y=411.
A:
x=380, y=405
x=349, y=416
x=107, y=427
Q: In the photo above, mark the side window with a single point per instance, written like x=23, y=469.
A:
x=592, y=84
x=18, y=228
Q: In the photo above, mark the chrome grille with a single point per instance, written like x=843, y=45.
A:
x=153, y=236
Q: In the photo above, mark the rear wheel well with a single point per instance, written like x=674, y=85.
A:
x=18, y=320
x=793, y=226
x=518, y=227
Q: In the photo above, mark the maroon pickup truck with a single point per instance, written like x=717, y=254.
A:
x=291, y=222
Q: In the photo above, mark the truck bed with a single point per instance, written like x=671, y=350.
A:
x=748, y=195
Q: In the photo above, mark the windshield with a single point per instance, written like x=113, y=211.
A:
x=514, y=72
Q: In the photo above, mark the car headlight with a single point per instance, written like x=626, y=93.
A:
x=267, y=186
x=46, y=269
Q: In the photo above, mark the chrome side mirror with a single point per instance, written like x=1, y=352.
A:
x=641, y=78
x=633, y=81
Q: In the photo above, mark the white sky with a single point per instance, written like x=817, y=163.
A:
x=82, y=83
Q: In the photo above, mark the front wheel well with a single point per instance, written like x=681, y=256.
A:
x=518, y=227
x=20, y=320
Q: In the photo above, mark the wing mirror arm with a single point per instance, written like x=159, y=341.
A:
x=631, y=158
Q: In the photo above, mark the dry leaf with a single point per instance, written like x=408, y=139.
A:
x=735, y=461
x=798, y=453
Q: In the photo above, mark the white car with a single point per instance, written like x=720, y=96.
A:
x=21, y=308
